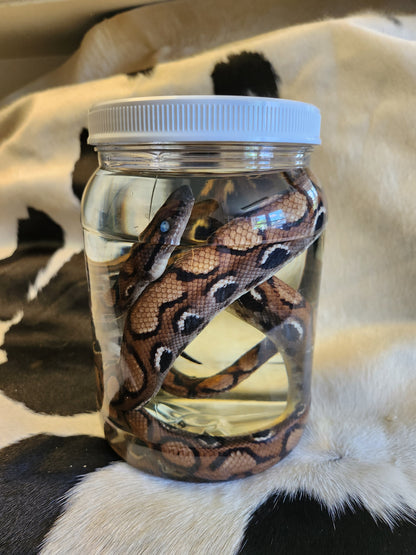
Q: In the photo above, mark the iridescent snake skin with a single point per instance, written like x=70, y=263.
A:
x=168, y=305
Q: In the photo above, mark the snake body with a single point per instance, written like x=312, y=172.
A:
x=235, y=266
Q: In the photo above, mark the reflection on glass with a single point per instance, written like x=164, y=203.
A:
x=274, y=219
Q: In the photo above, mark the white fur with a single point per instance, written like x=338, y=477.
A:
x=18, y=422
x=55, y=263
x=358, y=445
x=4, y=328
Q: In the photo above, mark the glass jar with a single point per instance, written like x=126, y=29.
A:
x=203, y=236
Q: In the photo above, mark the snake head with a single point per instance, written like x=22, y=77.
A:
x=149, y=256
x=169, y=222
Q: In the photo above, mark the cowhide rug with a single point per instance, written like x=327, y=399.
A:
x=350, y=485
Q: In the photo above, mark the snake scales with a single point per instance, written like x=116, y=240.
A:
x=168, y=305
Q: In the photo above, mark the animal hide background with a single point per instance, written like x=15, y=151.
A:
x=350, y=485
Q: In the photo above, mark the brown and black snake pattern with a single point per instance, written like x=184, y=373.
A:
x=236, y=265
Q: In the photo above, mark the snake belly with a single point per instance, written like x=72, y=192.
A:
x=238, y=263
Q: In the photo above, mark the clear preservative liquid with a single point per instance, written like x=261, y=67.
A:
x=255, y=402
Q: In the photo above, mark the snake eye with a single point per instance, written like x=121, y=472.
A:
x=128, y=291
x=164, y=226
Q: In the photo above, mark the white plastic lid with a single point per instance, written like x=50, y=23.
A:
x=204, y=119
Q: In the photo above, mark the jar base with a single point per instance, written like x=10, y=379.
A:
x=153, y=459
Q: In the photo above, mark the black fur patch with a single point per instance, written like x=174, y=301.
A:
x=50, y=359
x=85, y=166
x=246, y=73
x=39, y=237
x=35, y=474
x=302, y=526
x=39, y=228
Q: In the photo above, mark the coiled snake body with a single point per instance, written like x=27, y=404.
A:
x=167, y=307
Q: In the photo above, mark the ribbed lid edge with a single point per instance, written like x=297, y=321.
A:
x=204, y=118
